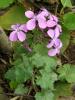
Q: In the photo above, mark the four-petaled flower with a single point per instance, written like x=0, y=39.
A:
x=53, y=34
x=18, y=32
x=36, y=19
x=56, y=48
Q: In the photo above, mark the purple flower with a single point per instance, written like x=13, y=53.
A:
x=29, y=14
x=59, y=28
x=53, y=17
x=45, y=21
x=53, y=52
x=53, y=34
x=34, y=19
x=44, y=12
x=18, y=32
x=56, y=50
x=52, y=21
x=58, y=44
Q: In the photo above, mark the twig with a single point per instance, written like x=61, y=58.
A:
x=62, y=10
x=12, y=94
x=3, y=61
x=21, y=98
x=56, y=9
x=29, y=91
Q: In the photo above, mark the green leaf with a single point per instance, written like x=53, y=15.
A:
x=40, y=48
x=18, y=49
x=21, y=89
x=67, y=72
x=63, y=71
x=13, y=84
x=50, y=63
x=71, y=77
x=69, y=20
x=37, y=60
x=17, y=62
x=45, y=61
x=38, y=35
x=41, y=58
x=45, y=95
x=5, y=3
x=18, y=74
x=9, y=74
x=63, y=89
x=13, y=16
x=28, y=68
x=46, y=80
x=39, y=41
x=65, y=38
x=66, y=3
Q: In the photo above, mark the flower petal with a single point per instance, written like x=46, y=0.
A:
x=44, y=12
x=21, y=36
x=29, y=14
x=60, y=29
x=57, y=32
x=58, y=44
x=55, y=18
x=13, y=36
x=51, y=23
x=51, y=44
x=53, y=52
x=42, y=22
x=51, y=33
x=31, y=24
x=15, y=27
x=23, y=27
x=50, y=17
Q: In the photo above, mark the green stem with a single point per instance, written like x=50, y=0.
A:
x=62, y=11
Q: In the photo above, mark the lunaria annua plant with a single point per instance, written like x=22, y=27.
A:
x=43, y=20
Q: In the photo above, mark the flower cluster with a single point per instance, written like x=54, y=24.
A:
x=45, y=21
